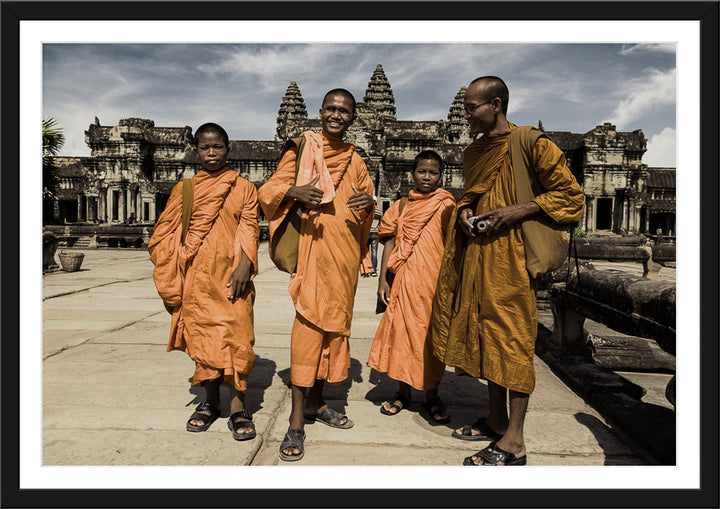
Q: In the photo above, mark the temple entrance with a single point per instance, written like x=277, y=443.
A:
x=603, y=214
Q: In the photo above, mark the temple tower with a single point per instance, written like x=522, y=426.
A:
x=292, y=107
x=379, y=95
x=457, y=127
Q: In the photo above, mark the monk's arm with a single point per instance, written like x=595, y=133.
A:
x=563, y=200
x=383, y=286
x=246, y=244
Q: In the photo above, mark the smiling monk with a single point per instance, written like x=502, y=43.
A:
x=204, y=271
x=335, y=192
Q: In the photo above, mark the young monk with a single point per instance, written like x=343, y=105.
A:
x=413, y=248
x=205, y=279
x=335, y=191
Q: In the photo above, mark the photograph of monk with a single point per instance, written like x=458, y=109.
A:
x=323, y=254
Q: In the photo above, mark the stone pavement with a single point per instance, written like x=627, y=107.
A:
x=114, y=396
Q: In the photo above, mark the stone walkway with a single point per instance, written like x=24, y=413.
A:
x=114, y=396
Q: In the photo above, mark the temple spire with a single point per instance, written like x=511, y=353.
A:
x=457, y=127
x=379, y=95
x=292, y=107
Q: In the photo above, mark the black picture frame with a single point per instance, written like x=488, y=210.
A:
x=704, y=12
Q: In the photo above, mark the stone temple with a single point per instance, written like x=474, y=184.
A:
x=133, y=165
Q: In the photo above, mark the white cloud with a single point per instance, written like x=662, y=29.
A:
x=643, y=95
x=665, y=47
x=661, y=149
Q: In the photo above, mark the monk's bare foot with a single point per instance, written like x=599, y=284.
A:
x=500, y=430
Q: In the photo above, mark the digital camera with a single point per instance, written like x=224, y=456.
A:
x=480, y=226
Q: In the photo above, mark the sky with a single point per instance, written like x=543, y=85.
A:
x=570, y=87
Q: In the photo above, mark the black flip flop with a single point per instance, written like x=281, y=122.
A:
x=293, y=438
x=440, y=409
x=405, y=402
x=331, y=418
x=482, y=427
x=206, y=419
x=492, y=455
x=234, y=426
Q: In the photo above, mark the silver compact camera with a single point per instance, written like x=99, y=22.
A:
x=480, y=225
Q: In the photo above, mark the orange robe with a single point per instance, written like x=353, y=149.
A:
x=402, y=346
x=215, y=332
x=484, y=311
x=332, y=245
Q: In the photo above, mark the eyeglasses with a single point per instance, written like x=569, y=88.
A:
x=470, y=108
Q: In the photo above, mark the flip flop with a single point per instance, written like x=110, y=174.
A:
x=206, y=419
x=293, y=438
x=331, y=418
x=398, y=397
x=492, y=455
x=436, y=403
x=234, y=426
x=482, y=427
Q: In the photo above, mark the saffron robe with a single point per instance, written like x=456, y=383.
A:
x=402, y=346
x=331, y=249
x=484, y=311
x=215, y=332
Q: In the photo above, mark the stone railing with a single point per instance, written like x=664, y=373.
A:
x=98, y=236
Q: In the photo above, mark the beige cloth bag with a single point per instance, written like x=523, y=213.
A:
x=546, y=241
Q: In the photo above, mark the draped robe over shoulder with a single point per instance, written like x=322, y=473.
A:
x=402, y=346
x=332, y=245
x=484, y=315
x=215, y=332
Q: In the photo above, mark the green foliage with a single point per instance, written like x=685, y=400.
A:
x=53, y=140
x=579, y=233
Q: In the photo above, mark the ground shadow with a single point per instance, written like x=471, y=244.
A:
x=465, y=397
x=259, y=380
x=338, y=393
x=606, y=439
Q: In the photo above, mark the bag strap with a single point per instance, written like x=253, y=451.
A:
x=188, y=191
x=523, y=138
x=299, y=142
x=403, y=201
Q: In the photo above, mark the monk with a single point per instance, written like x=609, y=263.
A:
x=204, y=276
x=413, y=246
x=484, y=311
x=335, y=191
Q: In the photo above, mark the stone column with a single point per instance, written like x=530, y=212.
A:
x=109, y=205
x=102, y=206
x=589, y=214
x=80, y=208
x=121, y=206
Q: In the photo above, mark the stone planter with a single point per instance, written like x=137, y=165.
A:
x=70, y=260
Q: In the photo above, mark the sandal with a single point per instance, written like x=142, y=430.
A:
x=437, y=404
x=398, y=397
x=293, y=438
x=481, y=426
x=234, y=425
x=206, y=419
x=331, y=418
x=492, y=455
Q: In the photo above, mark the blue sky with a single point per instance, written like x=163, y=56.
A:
x=570, y=87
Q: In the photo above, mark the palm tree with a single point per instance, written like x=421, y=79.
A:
x=53, y=140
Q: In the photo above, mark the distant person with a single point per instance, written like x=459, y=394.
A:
x=413, y=246
x=334, y=191
x=484, y=311
x=204, y=271
x=373, y=240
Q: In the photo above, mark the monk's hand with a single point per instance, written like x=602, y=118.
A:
x=307, y=194
x=462, y=220
x=360, y=200
x=507, y=217
x=239, y=278
x=383, y=292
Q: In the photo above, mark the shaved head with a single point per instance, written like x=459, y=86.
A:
x=494, y=87
x=342, y=92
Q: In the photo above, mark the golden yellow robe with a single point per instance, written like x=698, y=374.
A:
x=215, y=332
x=332, y=245
x=484, y=310
x=402, y=346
